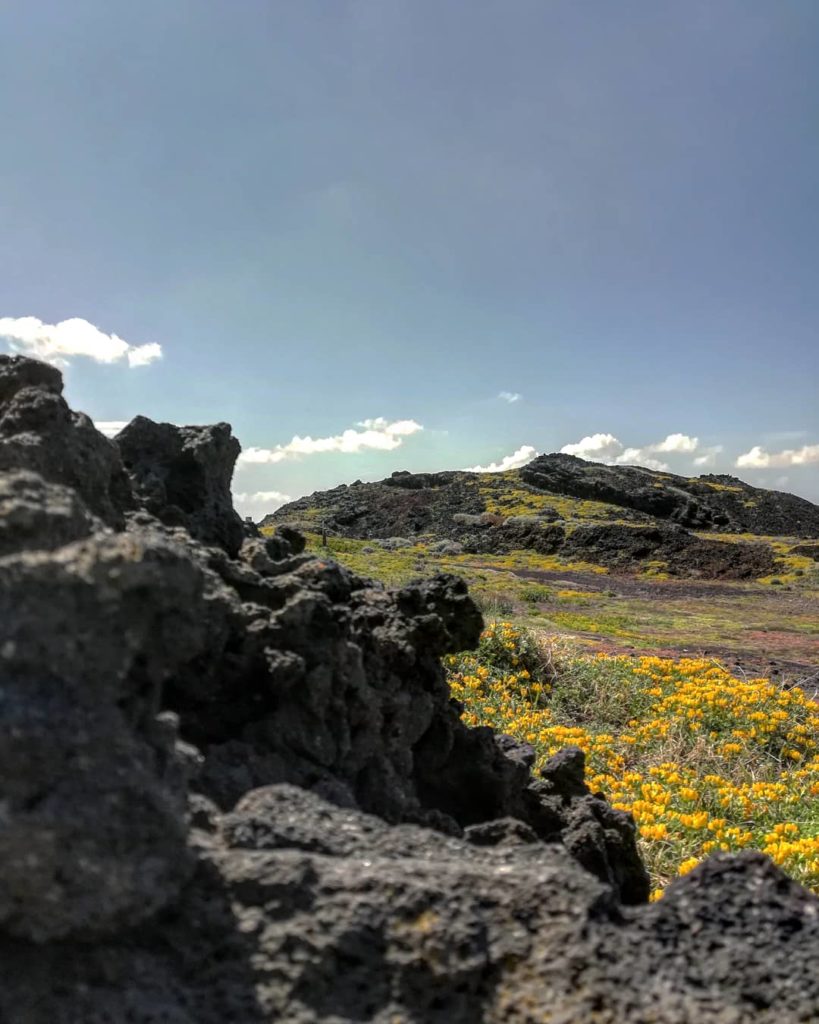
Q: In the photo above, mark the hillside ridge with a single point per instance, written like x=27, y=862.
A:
x=620, y=517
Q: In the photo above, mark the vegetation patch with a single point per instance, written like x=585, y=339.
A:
x=703, y=760
x=656, y=568
x=599, y=625
x=793, y=568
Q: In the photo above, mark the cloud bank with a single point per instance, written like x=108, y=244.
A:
x=609, y=449
x=596, y=447
x=759, y=458
x=676, y=443
x=377, y=435
x=59, y=343
x=517, y=459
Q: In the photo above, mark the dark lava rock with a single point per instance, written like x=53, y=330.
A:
x=651, y=516
x=92, y=781
x=624, y=548
x=236, y=789
x=35, y=514
x=334, y=916
x=517, y=533
x=809, y=550
x=38, y=432
x=405, y=505
x=182, y=476
x=700, y=503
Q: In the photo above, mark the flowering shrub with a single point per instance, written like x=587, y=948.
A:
x=703, y=760
x=511, y=668
x=504, y=646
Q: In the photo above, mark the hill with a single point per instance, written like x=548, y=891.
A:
x=618, y=517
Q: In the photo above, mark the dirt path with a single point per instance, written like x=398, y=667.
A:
x=775, y=652
x=632, y=586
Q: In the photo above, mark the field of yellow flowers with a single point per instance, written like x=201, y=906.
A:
x=703, y=760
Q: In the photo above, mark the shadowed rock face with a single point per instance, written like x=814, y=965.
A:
x=93, y=787
x=182, y=476
x=35, y=515
x=235, y=788
x=38, y=432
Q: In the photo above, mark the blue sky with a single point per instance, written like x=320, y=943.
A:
x=391, y=211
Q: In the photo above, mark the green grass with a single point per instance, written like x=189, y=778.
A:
x=505, y=495
x=747, y=620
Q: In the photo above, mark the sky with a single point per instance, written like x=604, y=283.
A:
x=422, y=234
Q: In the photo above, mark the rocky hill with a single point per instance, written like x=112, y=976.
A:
x=235, y=788
x=616, y=516
x=709, y=502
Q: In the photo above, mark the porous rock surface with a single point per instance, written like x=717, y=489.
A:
x=236, y=789
x=38, y=432
x=182, y=476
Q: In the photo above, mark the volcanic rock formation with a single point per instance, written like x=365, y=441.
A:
x=628, y=516
x=707, y=502
x=234, y=786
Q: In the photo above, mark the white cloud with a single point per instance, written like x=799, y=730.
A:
x=519, y=458
x=676, y=443
x=142, y=355
x=608, y=449
x=398, y=427
x=378, y=435
x=259, y=503
x=110, y=427
x=759, y=458
x=510, y=396
x=595, y=447
x=58, y=343
x=709, y=456
x=261, y=456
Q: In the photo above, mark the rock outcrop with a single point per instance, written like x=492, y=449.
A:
x=707, y=502
x=620, y=547
x=234, y=786
x=38, y=432
x=182, y=476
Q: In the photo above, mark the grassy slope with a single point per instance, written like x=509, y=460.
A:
x=753, y=623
